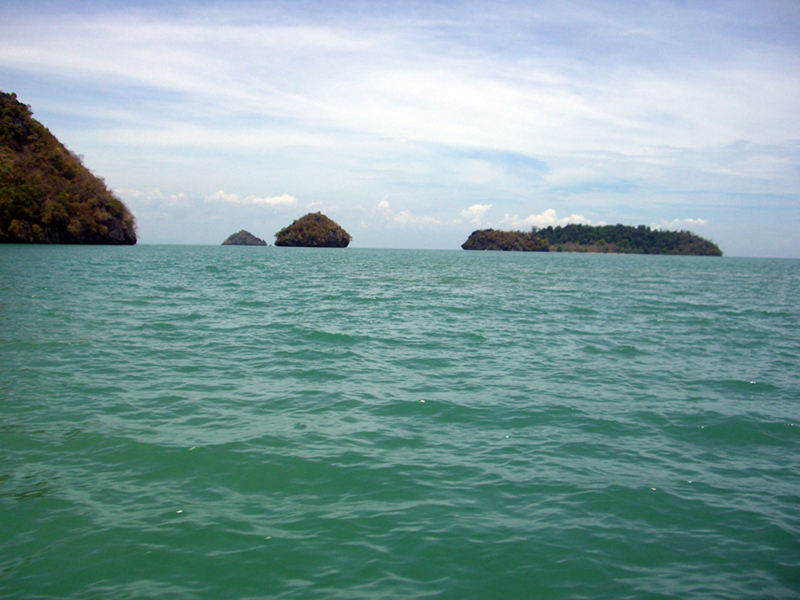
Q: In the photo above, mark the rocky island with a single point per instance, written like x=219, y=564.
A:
x=314, y=230
x=243, y=238
x=47, y=195
x=490, y=239
x=616, y=239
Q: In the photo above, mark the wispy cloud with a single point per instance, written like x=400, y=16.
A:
x=475, y=213
x=546, y=219
x=222, y=196
x=406, y=217
x=371, y=75
x=390, y=217
x=153, y=196
x=680, y=224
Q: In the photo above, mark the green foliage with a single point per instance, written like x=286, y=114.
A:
x=625, y=239
x=490, y=239
x=314, y=230
x=47, y=195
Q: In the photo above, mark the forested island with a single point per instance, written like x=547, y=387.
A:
x=47, y=195
x=314, y=230
x=616, y=239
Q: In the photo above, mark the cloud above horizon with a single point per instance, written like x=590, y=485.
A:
x=474, y=213
x=606, y=112
x=222, y=196
x=681, y=224
x=547, y=218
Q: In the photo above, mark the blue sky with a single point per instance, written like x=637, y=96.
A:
x=414, y=123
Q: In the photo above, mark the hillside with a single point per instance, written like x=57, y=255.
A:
x=47, y=195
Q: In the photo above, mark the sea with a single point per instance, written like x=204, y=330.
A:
x=226, y=422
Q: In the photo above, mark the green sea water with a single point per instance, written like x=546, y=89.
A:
x=249, y=422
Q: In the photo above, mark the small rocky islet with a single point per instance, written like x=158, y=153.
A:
x=243, y=238
x=313, y=230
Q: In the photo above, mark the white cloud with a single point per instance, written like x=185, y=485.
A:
x=129, y=193
x=680, y=224
x=222, y=196
x=153, y=196
x=475, y=212
x=546, y=219
x=405, y=217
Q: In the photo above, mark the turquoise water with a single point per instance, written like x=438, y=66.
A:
x=238, y=422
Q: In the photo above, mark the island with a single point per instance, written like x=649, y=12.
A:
x=314, y=230
x=243, y=238
x=47, y=195
x=616, y=239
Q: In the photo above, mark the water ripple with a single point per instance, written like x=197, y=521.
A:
x=260, y=422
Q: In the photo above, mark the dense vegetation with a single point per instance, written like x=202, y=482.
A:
x=314, y=230
x=625, y=239
x=490, y=239
x=46, y=194
x=243, y=238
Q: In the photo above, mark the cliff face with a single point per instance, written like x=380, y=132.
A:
x=243, y=238
x=46, y=194
x=314, y=230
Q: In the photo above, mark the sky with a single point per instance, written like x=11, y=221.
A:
x=412, y=124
